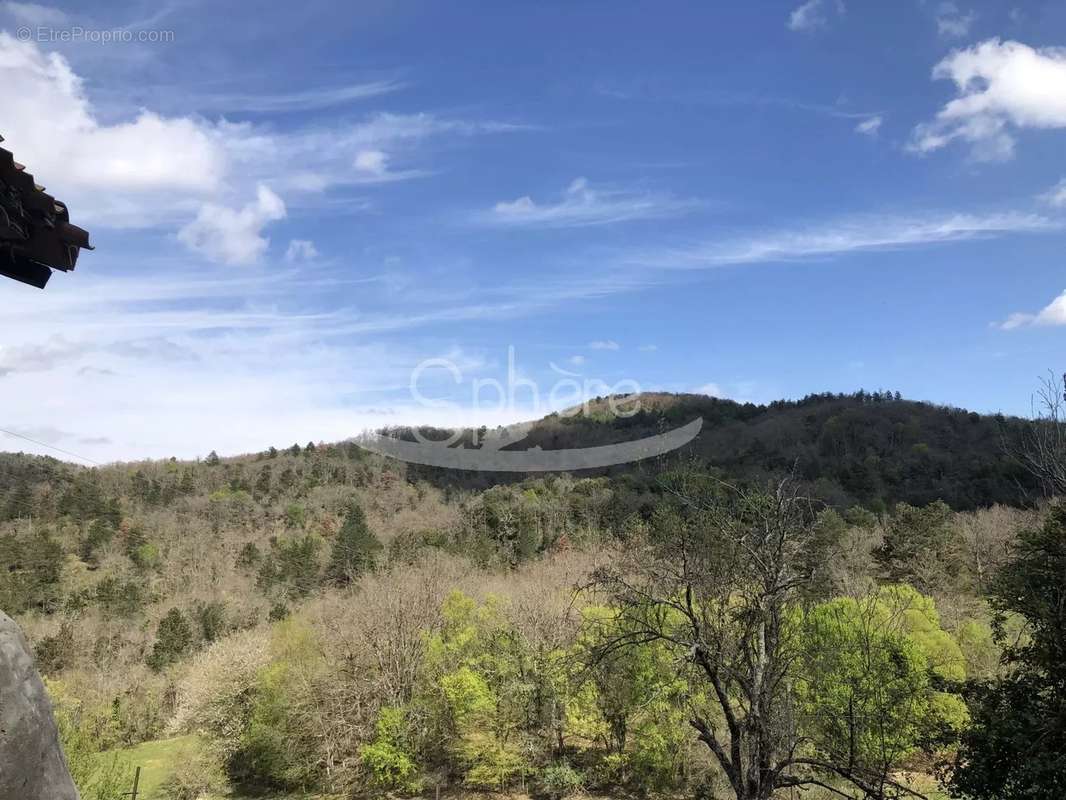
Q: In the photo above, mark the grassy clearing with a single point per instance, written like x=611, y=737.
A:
x=157, y=759
x=160, y=759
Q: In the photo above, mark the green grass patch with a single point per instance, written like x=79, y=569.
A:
x=157, y=759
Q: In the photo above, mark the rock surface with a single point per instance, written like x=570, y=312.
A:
x=32, y=766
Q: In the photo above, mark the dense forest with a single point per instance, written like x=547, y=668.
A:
x=870, y=448
x=844, y=596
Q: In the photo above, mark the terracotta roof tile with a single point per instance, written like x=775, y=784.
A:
x=36, y=235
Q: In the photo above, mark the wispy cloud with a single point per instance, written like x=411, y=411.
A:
x=301, y=250
x=582, y=205
x=604, y=344
x=1054, y=313
x=814, y=14
x=33, y=13
x=846, y=236
x=232, y=362
x=310, y=99
x=869, y=126
x=952, y=22
x=1056, y=195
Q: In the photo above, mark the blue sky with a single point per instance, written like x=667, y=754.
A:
x=295, y=206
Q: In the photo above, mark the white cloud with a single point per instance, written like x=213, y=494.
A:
x=233, y=361
x=372, y=166
x=150, y=170
x=51, y=127
x=233, y=236
x=951, y=22
x=869, y=126
x=1001, y=86
x=648, y=348
x=582, y=206
x=577, y=361
x=604, y=344
x=814, y=14
x=301, y=250
x=1054, y=313
x=1056, y=195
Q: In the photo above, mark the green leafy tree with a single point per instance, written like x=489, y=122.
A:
x=1016, y=746
x=355, y=549
x=864, y=692
x=293, y=564
x=212, y=459
x=632, y=701
x=388, y=758
x=477, y=695
x=99, y=535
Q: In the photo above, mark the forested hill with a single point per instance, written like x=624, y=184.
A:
x=871, y=449
x=301, y=618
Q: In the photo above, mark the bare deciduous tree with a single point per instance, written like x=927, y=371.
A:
x=1042, y=449
x=720, y=585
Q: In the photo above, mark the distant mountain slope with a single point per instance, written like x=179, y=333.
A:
x=863, y=449
x=873, y=449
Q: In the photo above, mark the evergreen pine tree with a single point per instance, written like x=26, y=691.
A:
x=172, y=640
x=355, y=547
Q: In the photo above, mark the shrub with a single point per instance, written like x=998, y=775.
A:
x=123, y=598
x=216, y=695
x=97, y=778
x=560, y=780
x=293, y=565
x=196, y=773
x=389, y=764
x=54, y=653
x=211, y=618
x=249, y=556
